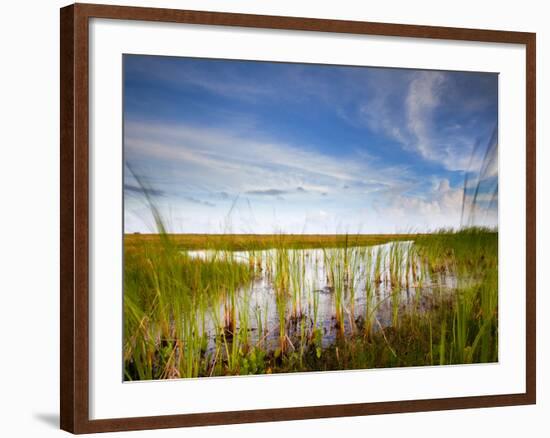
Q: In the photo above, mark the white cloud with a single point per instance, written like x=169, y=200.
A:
x=408, y=117
x=192, y=166
x=440, y=208
x=196, y=164
x=220, y=157
x=422, y=99
x=454, y=150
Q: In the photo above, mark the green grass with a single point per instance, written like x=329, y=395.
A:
x=170, y=297
x=251, y=242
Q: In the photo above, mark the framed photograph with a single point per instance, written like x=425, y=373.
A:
x=273, y=218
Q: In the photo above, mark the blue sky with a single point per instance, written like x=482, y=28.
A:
x=261, y=147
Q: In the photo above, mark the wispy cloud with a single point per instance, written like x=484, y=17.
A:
x=291, y=146
x=267, y=192
x=414, y=118
x=198, y=201
x=249, y=161
x=138, y=190
x=421, y=102
x=224, y=80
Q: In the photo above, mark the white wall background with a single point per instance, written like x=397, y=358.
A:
x=29, y=204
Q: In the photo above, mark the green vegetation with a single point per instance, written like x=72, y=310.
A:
x=328, y=302
x=251, y=242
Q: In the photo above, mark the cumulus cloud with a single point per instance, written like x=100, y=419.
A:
x=442, y=206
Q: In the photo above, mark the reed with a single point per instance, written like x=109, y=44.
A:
x=424, y=300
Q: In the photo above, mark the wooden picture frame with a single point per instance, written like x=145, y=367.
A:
x=75, y=238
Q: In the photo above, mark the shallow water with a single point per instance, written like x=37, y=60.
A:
x=317, y=278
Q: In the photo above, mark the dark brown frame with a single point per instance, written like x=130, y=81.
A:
x=74, y=217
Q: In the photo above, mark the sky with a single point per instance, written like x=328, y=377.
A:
x=228, y=146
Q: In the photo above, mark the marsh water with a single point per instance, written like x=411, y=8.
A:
x=372, y=283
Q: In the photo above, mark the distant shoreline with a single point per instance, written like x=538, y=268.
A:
x=266, y=241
